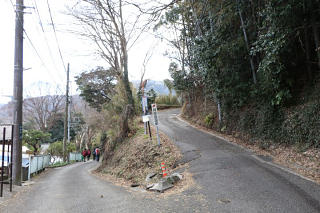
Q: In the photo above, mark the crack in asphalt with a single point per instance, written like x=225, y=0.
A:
x=189, y=156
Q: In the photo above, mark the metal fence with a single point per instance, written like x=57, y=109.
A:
x=75, y=156
x=6, y=142
x=38, y=163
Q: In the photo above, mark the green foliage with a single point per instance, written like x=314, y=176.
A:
x=33, y=139
x=169, y=85
x=96, y=86
x=59, y=164
x=167, y=99
x=209, y=119
x=301, y=127
x=221, y=45
x=57, y=128
x=152, y=95
x=56, y=149
x=103, y=139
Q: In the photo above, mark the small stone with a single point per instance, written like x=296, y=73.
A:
x=163, y=185
x=150, y=176
x=135, y=184
x=176, y=176
x=150, y=186
x=101, y=196
x=224, y=201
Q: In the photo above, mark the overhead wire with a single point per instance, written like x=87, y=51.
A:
x=55, y=34
x=45, y=37
x=36, y=51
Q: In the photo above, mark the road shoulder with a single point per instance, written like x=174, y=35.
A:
x=286, y=158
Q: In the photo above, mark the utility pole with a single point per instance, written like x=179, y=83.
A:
x=69, y=118
x=17, y=95
x=66, y=119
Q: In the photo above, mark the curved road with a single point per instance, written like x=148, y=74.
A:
x=74, y=189
x=230, y=179
x=244, y=181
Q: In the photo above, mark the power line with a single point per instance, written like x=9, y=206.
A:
x=36, y=51
x=45, y=37
x=55, y=34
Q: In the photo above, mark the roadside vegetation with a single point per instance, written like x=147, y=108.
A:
x=245, y=68
x=59, y=164
x=56, y=149
x=249, y=68
x=137, y=156
x=167, y=100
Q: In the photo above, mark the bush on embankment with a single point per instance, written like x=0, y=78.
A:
x=137, y=156
x=265, y=124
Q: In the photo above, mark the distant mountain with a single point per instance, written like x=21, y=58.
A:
x=157, y=86
x=78, y=104
x=6, y=113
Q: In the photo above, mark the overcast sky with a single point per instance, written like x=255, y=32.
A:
x=79, y=52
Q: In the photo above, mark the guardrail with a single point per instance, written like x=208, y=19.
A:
x=38, y=163
x=75, y=156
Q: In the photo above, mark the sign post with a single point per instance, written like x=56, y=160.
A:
x=146, y=121
x=156, y=121
x=144, y=103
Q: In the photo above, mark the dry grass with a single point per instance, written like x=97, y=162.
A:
x=136, y=157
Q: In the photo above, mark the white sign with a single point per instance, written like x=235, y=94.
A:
x=145, y=118
x=144, y=103
x=156, y=122
x=155, y=114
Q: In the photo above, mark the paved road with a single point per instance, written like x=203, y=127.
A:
x=73, y=189
x=228, y=173
x=231, y=180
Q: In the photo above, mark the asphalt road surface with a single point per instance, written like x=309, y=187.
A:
x=228, y=179
x=245, y=182
x=74, y=189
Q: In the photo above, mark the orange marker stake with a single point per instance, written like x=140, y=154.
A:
x=164, y=170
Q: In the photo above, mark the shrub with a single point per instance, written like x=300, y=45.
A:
x=209, y=119
x=167, y=99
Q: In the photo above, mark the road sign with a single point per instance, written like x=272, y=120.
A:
x=155, y=114
x=156, y=122
x=144, y=103
x=145, y=118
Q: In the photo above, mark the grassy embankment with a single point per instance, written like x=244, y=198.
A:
x=137, y=156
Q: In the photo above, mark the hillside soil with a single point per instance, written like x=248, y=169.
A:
x=305, y=163
x=138, y=156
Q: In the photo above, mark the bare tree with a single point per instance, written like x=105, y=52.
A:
x=143, y=83
x=43, y=110
x=114, y=28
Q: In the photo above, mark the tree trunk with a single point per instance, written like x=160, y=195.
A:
x=124, y=49
x=316, y=40
x=247, y=45
x=126, y=79
x=219, y=111
x=307, y=47
x=306, y=42
x=124, y=126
